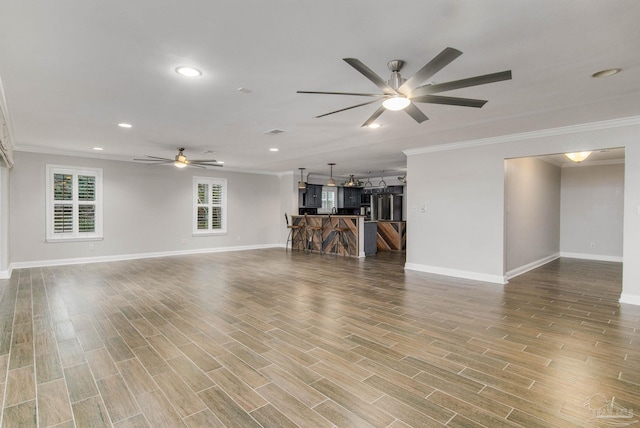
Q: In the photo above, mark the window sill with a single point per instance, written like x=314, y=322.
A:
x=197, y=234
x=74, y=239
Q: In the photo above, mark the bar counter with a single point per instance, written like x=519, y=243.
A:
x=354, y=236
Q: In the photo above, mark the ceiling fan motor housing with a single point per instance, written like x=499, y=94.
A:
x=396, y=80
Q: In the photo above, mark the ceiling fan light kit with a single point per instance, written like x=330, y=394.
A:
x=396, y=103
x=402, y=94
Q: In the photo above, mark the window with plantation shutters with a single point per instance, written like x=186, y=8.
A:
x=209, y=206
x=74, y=203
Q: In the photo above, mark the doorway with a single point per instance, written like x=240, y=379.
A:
x=555, y=207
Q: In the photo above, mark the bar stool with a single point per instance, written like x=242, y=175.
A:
x=311, y=231
x=340, y=232
x=293, y=228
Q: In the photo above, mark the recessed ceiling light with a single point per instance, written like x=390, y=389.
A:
x=374, y=125
x=273, y=149
x=244, y=90
x=124, y=125
x=99, y=149
x=188, y=71
x=607, y=72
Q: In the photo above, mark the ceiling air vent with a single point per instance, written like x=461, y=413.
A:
x=274, y=132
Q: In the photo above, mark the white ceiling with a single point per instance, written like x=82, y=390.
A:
x=72, y=70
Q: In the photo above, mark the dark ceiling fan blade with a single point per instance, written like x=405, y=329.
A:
x=341, y=93
x=417, y=114
x=371, y=75
x=463, y=83
x=156, y=157
x=443, y=59
x=205, y=163
x=347, y=108
x=453, y=101
x=374, y=116
x=159, y=160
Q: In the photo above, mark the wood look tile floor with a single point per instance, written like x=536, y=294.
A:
x=282, y=339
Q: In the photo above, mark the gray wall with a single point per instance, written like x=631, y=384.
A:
x=532, y=189
x=147, y=210
x=461, y=232
x=592, y=212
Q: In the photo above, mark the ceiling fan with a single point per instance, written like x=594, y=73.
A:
x=401, y=94
x=181, y=161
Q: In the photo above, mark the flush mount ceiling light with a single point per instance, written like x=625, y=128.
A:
x=607, y=72
x=98, y=149
x=273, y=149
x=188, y=71
x=578, y=156
x=331, y=182
x=301, y=184
x=125, y=125
x=396, y=103
x=374, y=125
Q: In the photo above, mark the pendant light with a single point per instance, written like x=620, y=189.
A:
x=382, y=183
x=368, y=183
x=331, y=182
x=301, y=184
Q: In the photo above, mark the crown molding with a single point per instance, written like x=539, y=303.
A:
x=564, y=130
x=102, y=156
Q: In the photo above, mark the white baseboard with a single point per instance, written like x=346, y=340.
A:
x=597, y=257
x=631, y=299
x=5, y=274
x=476, y=276
x=120, y=257
x=530, y=266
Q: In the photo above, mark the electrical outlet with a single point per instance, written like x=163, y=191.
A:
x=91, y=247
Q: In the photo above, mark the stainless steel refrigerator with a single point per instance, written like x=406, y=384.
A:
x=386, y=206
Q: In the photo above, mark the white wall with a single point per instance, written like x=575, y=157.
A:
x=4, y=222
x=147, y=210
x=532, y=189
x=461, y=232
x=592, y=212
x=455, y=223
x=288, y=202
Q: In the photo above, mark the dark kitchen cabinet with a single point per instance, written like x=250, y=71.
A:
x=349, y=197
x=311, y=197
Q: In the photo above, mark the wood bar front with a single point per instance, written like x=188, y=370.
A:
x=329, y=243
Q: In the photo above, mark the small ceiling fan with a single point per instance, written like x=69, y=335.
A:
x=181, y=161
x=401, y=94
